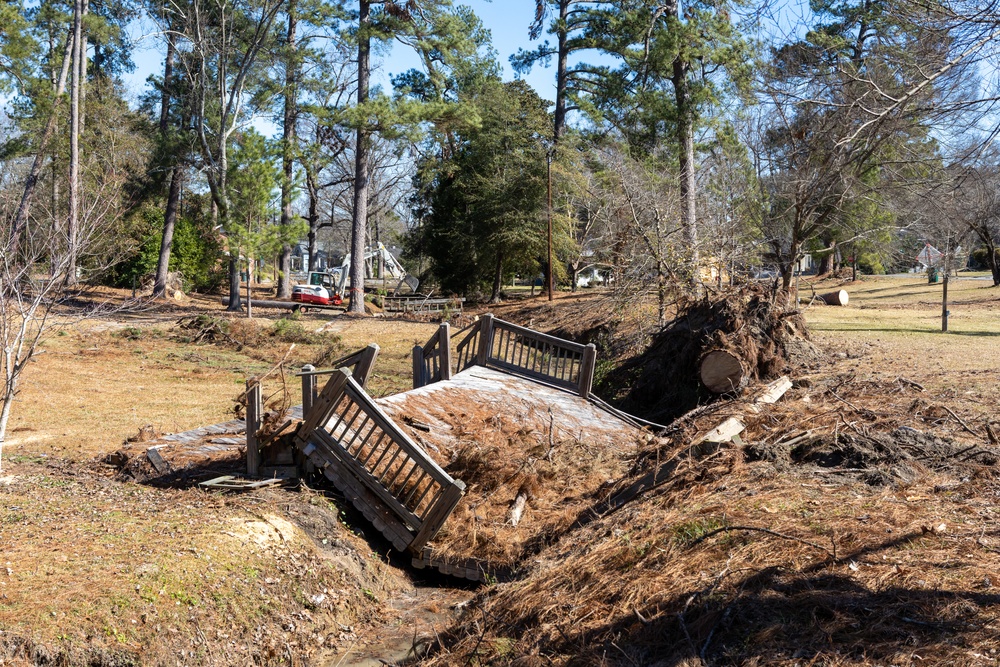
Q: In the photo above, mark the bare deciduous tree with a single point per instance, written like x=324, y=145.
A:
x=33, y=274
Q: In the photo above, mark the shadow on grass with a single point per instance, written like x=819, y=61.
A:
x=905, y=330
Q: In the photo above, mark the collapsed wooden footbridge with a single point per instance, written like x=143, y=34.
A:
x=390, y=456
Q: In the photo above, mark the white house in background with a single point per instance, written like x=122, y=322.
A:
x=806, y=264
x=592, y=276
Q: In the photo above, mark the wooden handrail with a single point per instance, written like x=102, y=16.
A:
x=254, y=420
x=348, y=429
x=432, y=361
x=512, y=348
x=361, y=364
x=539, y=336
x=348, y=360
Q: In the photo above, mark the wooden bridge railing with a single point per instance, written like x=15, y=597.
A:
x=498, y=344
x=387, y=476
x=360, y=363
x=409, y=304
x=432, y=361
x=467, y=349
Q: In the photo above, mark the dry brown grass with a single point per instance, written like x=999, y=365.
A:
x=887, y=569
x=99, y=572
x=95, y=382
x=829, y=572
x=892, y=329
x=96, y=571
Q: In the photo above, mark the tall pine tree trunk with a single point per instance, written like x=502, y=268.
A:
x=287, y=161
x=73, y=223
x=562, y=76
x=313, y=222
x=359, y=223
x=685, y=145
x=497, y=279
x=167, y=240
x=235, y=300
x=174, y=191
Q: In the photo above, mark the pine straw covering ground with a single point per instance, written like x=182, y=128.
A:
x=501, y=445
x=865, y=542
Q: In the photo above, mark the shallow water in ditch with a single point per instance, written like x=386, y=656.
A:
x=424, y=613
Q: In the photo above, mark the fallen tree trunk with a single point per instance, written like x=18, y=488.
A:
x=723, y=371
x=290, y=305
x=838, y=298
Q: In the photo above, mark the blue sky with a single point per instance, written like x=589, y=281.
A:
x=508, y=21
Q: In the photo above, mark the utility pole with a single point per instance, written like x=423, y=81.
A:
x=548, y=174
x=944, y=286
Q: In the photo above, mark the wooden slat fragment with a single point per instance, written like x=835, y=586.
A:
x=159, y=463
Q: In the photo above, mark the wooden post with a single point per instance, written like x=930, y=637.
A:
x=444, y=347
x=308, y=389
x=363, y=369
x=418, y=366
x=485, y=339
x=944, y=288
x=587, y=370
x=255, y=410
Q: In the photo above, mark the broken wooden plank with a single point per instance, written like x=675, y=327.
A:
x=280, y=472
x=159, y=463
x=732, y=426
x=774, y=391
x=233, y=483
x=254, y=412
x=724, y=432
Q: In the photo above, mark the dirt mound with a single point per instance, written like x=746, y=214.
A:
x=751, y=324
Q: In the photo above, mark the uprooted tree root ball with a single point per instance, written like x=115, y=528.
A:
x=749, y=326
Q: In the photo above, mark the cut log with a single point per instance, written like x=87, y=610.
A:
x=838, y=298
x=722, y=371
x=524, y=494
x=288, y=305
x=517, y=509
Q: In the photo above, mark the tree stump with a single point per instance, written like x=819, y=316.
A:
x=723, y=371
